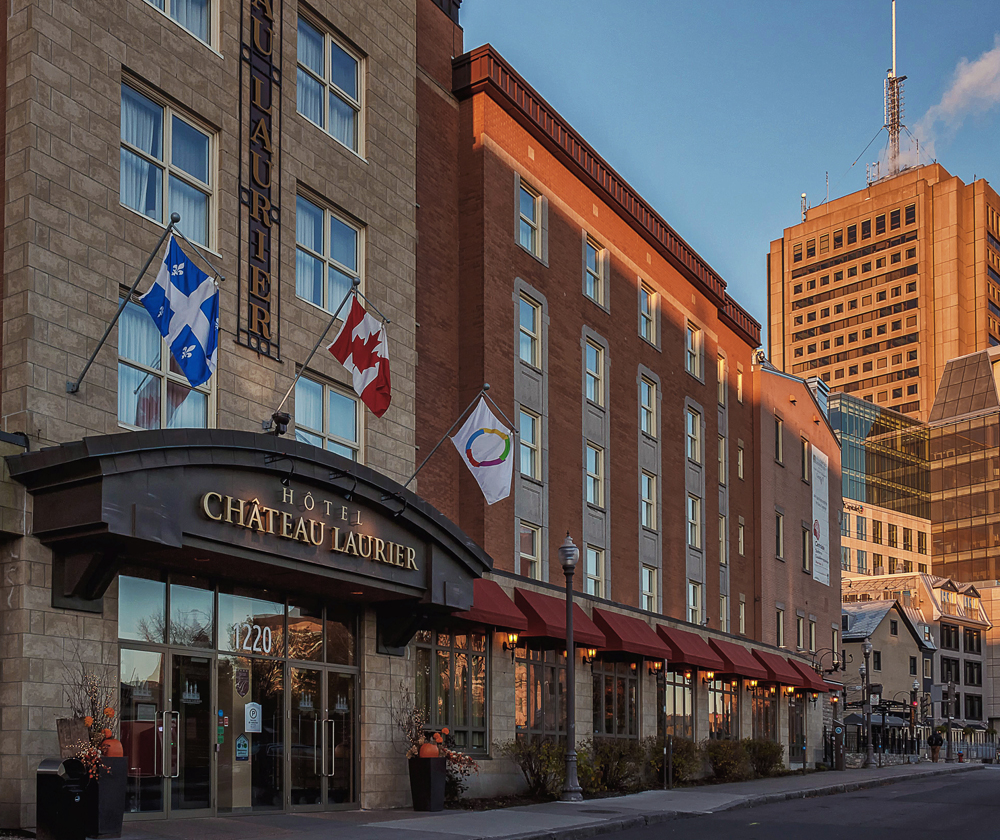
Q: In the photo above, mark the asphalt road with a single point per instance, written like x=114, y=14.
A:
x=967, y=807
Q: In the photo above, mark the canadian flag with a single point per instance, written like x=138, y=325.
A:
x=362, y=348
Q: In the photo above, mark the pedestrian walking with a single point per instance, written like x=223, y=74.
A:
x=934, y=742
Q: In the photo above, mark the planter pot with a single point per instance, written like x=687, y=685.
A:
x=104, y=800
x=427, y=777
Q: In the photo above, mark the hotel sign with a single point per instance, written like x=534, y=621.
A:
x=260, y=181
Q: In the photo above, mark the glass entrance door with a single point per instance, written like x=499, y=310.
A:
x=191, y=737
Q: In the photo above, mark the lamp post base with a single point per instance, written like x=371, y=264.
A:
x=571, y=792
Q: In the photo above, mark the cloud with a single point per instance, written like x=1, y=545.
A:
x=974, y=89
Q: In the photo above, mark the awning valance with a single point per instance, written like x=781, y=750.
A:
x=813, y=681
x=547, y=619
x=630, y=635
x=780, y=670
x=689, y=649
x=493, y=607
x=738, y=660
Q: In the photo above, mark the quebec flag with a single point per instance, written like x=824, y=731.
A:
x=184, y=305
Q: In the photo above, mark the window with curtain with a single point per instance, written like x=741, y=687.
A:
x=723, y=709
x=616, y=699
x=327, y=255
x=328, y=417
x=764, y=713
x=451, y=684
x=166, y=164
x=329, y=84
x=539, y=693
x=194, y=15
x=675, y=696
x=153, y=393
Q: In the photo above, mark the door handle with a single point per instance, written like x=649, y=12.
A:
x=177, y=745
x=165, y=745
x=333, y=750
x=316, y=750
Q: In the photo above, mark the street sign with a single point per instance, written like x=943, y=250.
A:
x=875, y=688
x=876, y=699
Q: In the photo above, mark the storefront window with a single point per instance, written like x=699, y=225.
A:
x=451, y=684
x=723, y=709
x=676, y=699
x=539, y=692
x=192, y=615
x=616, y=699
x=251, y=625
x=764, y=713
x=141, y=609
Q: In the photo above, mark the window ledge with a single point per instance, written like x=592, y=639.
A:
x=163, y=226
x=530, y=366
x=329, y=136
x=185, y=30
x=532, y=479
x=537, y=257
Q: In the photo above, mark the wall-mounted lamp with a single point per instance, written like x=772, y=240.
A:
x=687, y=674
x=633, y=666
x=751, y=683
x=709, y=676
x=655, y=667
x=789, y=690
x=834, y=699
x=510, y=643
x=814, y=696
x=589, y=655
x=772, y=689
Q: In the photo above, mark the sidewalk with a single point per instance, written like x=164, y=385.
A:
x=551, y=820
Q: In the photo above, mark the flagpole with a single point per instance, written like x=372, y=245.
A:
x=74, y=387
x=373, y=306
x=482, y=391
x=266, y=424
x=489, y=399
x=201, y=254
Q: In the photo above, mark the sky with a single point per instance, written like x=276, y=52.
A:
x=721, y=114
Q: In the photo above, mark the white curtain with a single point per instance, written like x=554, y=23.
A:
x=308, y=269
x=192, y=204
x=138, y=338
x=141, y=182
x=308, y=410
x=342, y=121
x=309, y=92
x=193, y=15
x=186, y=409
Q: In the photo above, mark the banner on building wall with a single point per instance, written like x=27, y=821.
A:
x=821, y=516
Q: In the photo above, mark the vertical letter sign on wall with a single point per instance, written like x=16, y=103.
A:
x=260, y=179
x=821, y=516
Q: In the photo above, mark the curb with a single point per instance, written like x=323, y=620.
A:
x=582, y=832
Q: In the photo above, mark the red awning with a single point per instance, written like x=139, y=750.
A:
x=736, y=659
x=547, y=619
x=780, y=670
x=630, y=635
x=813, y=681
x=493, y=607
x=689, y=649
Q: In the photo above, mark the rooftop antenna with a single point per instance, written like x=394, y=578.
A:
x=804, y=208
x=893, y=96
x=827, y=186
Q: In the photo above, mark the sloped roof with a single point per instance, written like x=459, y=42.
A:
x=865, y=618
x=966, y=387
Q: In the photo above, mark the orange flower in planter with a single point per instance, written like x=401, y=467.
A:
x=437, y=738
x=109, y=712
x=88, y=721
x=107, y=733
x=444, y=731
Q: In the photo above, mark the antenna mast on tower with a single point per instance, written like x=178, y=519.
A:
x=893, y=95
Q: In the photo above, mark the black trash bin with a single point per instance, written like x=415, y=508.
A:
x=59, y=809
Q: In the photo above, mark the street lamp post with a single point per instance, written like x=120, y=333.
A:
x=866, y=649
x=951, y=717
x=569, y=555
x=913, y=716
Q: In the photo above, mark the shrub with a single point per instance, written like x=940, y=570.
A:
x=687, y=761
x=765, y=756
x=542, y=762
x=587, y=771
x=728, y=759
x=618, y=763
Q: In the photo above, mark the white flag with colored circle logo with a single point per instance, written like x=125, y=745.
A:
x=487, y=447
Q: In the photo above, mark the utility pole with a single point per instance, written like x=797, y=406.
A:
x=866, y=649
x=951, y=716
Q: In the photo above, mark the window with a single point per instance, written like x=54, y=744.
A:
x=876, y=660
x=693, y=435
x=877, y=531
x=779, y=627
x=973, y=638
x=595, y=373
x=907, y=539
x=764, y=713
x=694, y=521
x=153, y=393
x=529, y=213
x=739, y=460
x=804, y=451
x=927, y=669
x=911, y=213
x=797, y=253
x=594, y=582
x=529, y=316
x=824, y=243
x=913, y=666
x=692, y=355
x=452, y=684
x=193, y=15
x=973, y=673
x=950, y=670
x=779, y=429
x=861, y=526
x=694, y=602
x=647, y=319
x=894, y=220
x=529, y=545
x=594, y=271
x=529, y=428
x=647, y=406
x=648, y=500
x=800, y=632
x=675, y=695
x=328, y=89
x=893, y=537
x=724, y=613
x=649, y=588
x=880, y=224
x=615, y=699
x=893, y=627
x=595, y=475
x=721, y=379
x=812, y=637
x=973, y=707
x=722, y=459
x=328, y=417
x=723, y=553
x=741, y=536
x=806, y=549
x=863, y=561
x=327, y=255
x=724, y=709
x=866, y=229
x=166, y=154
x=852, y=234
x=539, y=693
x=739, y=383
x=779, y=536
x=743, y=616
x=838, y=239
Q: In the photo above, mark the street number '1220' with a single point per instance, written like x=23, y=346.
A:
x=253, y=638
